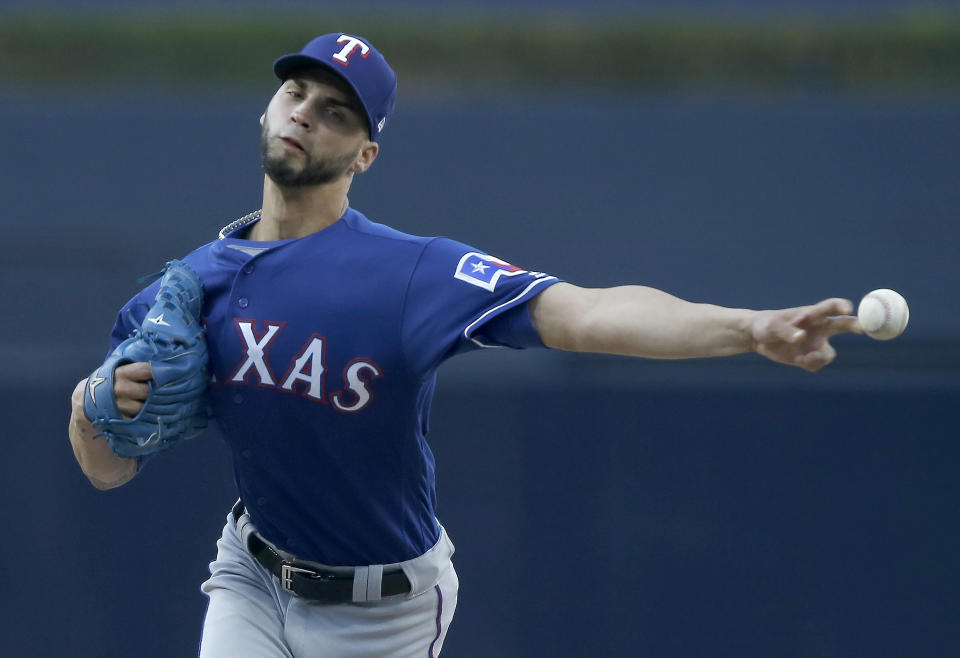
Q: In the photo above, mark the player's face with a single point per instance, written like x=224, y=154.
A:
x=313, y=133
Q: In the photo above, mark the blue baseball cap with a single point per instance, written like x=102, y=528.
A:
x=359, y=64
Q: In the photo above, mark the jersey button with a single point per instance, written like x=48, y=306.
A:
x=246, y=454
x=238, y=399
x=248, y=268
x=261, y=501
x=243, y=302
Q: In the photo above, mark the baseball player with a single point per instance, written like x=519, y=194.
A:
x=325, y=331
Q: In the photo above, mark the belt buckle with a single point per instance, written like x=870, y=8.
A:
x=286, y=575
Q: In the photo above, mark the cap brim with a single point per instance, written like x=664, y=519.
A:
x=286, y=65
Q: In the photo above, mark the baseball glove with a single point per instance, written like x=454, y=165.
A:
x=172, y=340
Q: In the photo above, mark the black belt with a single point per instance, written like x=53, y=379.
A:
x=304, y=580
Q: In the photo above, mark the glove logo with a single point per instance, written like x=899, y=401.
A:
x=159, y=320
x=94, y=382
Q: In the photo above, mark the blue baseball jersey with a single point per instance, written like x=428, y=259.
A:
x=324, y=353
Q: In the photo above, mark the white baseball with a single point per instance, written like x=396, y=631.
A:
x=883, y=314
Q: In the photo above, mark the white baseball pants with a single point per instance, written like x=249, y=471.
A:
x=249, y=614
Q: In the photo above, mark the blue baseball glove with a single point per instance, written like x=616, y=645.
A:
x=172, y=340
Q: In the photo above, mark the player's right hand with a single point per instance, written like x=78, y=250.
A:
x=801, y=336
x=131, y=387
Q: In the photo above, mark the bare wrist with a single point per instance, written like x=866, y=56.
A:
x=748, y=321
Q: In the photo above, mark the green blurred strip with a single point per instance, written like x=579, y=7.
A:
x=906, y=53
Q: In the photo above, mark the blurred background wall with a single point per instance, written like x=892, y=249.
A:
x=756, y=154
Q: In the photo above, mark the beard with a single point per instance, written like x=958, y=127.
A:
x=283, y=171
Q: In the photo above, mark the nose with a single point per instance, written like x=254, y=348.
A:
x=299, y=117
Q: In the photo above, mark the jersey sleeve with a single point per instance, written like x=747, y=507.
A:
x=131, y=315
x=461, y=299
x=134, y=311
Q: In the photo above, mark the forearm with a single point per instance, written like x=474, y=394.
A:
x=646, y=322
x=103, y=468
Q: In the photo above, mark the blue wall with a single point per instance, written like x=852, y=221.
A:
x=600, y=506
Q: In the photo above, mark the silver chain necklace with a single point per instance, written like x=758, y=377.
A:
x=237, y=223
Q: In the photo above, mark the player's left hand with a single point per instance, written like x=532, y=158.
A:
x=150, y=392
x=801, y=336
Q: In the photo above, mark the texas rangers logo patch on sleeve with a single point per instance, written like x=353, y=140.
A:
x=484, y=271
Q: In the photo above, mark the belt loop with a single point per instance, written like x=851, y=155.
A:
x=237, y=510
x=245, y=530
x=374, y=582
x=360, y=576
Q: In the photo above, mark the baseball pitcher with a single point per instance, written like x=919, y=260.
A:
x=312, y=335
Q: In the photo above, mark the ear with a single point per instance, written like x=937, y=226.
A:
x=262, y=117
x=368, y=153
